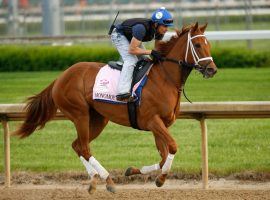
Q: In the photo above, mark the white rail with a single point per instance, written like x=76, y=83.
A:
x=233, y=35
x=65, y=39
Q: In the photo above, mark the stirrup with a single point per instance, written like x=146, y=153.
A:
x=121, y=97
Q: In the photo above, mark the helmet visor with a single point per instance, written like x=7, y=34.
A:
x=168, y=22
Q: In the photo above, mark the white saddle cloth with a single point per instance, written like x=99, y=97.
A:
x=105, y=88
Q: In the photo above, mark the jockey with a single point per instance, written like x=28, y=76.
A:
x=128, y=37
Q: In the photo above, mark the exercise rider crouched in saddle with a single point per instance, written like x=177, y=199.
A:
x=128, y=37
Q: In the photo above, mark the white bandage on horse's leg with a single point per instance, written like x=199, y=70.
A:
x=99, y=168
x=168, y=164
x=90, y=169
x=148, y=169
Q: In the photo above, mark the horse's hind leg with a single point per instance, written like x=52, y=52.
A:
x=96, y=124
x=77, y=110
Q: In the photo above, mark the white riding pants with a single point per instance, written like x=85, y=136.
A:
x=122, y=45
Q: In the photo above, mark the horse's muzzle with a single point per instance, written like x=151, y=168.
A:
x=210, y=71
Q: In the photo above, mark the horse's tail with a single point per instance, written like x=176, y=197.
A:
x=39, y=110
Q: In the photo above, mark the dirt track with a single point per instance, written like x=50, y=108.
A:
x=73, y=185
x=173, y=189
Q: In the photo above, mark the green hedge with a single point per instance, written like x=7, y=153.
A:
x=47, y=58
x=240, y=58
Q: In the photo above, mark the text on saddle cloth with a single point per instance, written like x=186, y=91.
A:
x=105, y=87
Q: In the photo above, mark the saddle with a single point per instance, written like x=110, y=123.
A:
x=141, y=68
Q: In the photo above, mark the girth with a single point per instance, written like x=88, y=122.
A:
x=141, y=68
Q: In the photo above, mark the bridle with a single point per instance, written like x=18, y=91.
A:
x=185, y=63
x=194, y=54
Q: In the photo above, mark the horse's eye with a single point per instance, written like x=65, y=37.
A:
x=197, y=45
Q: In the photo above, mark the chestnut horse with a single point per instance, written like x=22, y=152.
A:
x=72, y=93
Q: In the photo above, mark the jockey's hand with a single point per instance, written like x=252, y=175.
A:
x=156, y=56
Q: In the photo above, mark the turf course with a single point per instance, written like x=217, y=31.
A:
x=234, y=145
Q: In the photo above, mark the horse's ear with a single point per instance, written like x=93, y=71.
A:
x=177, y=33
x=202, y=28
x=195, y=27
x=183, y=28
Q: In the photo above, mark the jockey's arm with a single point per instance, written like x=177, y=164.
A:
x=134, y=48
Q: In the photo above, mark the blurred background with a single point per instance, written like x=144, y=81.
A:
x=84, y=24
x=93, y=17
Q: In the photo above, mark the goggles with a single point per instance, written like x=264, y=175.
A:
x=168, y=21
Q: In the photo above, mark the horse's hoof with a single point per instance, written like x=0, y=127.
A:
x=93, y=185
x=111, y=188
x=159, y=182
x=92, y=188
x=129, y=171
x=132, y=171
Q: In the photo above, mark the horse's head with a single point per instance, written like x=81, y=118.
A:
x=191, y=46
x=198, y=51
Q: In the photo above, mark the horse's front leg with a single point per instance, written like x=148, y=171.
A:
x=163, y=151
x=167, y=152
x=167, y=148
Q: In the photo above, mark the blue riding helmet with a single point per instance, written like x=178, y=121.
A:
x=162, y=17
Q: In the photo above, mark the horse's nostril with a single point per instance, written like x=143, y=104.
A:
x=210, y=70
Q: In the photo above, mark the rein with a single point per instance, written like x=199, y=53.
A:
x=187, y=65
x=180, y=62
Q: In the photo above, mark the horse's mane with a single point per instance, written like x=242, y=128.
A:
x=164, y=47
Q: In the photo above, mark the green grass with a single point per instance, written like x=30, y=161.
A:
x=249, y=84
x=234, y=145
